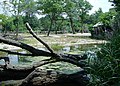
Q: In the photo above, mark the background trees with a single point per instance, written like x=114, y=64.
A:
x=52, y=9
x=83, y=7
x=54, y=15
x=55, y=12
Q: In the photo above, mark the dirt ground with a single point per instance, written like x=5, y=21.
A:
x=61, y=39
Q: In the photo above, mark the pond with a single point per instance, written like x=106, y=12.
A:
x=66, y=67
x=77, y=49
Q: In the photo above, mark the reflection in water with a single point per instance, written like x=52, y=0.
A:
x=13, y=59
x=1, y=61
x=66, y=49
x=16, y=59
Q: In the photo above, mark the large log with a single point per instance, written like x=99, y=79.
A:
x=50, y=77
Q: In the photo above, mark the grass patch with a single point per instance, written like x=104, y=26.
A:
x=56, y=47
x=30, y=41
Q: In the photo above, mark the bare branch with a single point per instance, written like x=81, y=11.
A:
x=35, y=36
x=44, y=62
x=16, y=53
x=34, y=51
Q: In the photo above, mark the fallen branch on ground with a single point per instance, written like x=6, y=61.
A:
x=26, y=71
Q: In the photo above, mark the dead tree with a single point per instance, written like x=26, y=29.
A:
x=33, y=76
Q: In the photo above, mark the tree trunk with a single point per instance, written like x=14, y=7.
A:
x=17, y=28
x=51, y=25
x=71, y=23
x=50, y=28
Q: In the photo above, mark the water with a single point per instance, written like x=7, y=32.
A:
x=14, y=59
x=76, y=49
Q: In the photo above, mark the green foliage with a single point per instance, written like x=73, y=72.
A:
x=106, y=18
x=105, y=69
x=3, y=18
x=7, y=22
x=54, y=10
x=94, y=18
x=99, y=16
x=33, y=21
x=45, y=23
x=30, y=7
x=76, y=11
x=50, y=6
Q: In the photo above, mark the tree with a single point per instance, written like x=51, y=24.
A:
x=69, y=9
x=7, y=23
x=51, y=8
x=44, y=23
x=30, y=8
x=82, y=8
x=77, y=11
x=55, y=9
x=34, y=21
x=106, y=18
x=18, y=8
x=30, y=11
x=94, y=18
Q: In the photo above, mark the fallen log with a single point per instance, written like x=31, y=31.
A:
x=50, y=77
x=34, y=76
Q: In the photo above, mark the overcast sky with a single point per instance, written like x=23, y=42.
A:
x=104, y=4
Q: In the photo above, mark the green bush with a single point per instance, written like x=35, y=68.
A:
x=105, y=69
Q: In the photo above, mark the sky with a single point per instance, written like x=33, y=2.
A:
x=104, y=4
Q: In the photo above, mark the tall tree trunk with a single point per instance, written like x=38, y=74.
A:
x=16, y=34
x=72, y=27
x=51, y=24
x=17, y=31
x=5, y=31
x=56, y=28
x=52, y=19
